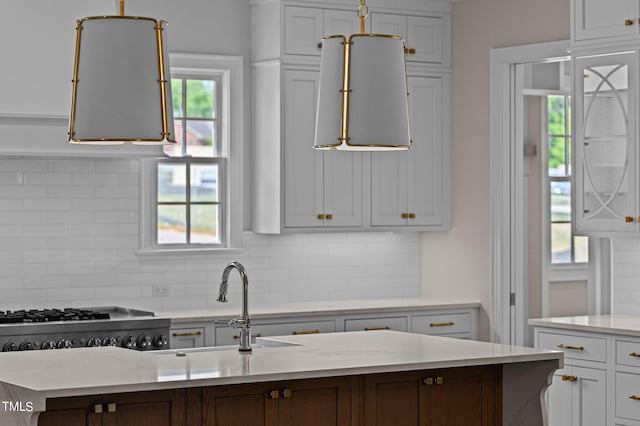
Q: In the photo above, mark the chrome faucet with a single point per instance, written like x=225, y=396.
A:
x=243, y=322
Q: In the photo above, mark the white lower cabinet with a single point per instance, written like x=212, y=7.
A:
x=600, y=383
x=577, y=397
x=459, y=322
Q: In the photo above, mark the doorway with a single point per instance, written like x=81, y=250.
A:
x=525, y=282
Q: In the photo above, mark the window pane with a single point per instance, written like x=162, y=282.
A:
x=200, y=99
x=204, y=224
x=172, y=181
x=172, y=228
x=568, y=118
x=560, y=243
x=204, y=183
x=581, y=245
x=569, y=156
x=560, y=201
x=557, y=165
x=176, y=96
x=556, y=111
x=200, y=138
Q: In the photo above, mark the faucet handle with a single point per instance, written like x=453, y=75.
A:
x=222, y=322
x=238, y=323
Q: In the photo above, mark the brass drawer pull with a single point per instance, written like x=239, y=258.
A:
x=635, y=397
x=296, y=333
x=111, y=407
x=442, y=324
x=191, y=334
x=430, y=381
x=635, y=355
x=628, y=22
x=329, y=216
x=236, y=337
x=412, y=215
x=575, y=348
x=97, y=408
x=320, y=216
x=628, y=219
x=571, y=379
x=286, y=393
x=410, y=51
x=405, y=215
x=274, y=394
x=386, y=327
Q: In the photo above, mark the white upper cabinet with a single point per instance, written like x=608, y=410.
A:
x=296, y=188
x=408, y=188
x=426, y=37
x=606, y=154
x=602, y=19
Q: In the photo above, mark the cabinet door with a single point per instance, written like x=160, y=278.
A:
x=342, y=188
x=425, y=39
x=303, y=166
x=303, y=30
x=477, y=389
x=425, y=158
x=604, y=18
x=605, y=143
x=158, y=408
x=345, y=22
x=577, y=397
x=186, y=338
x=242, y=405
x=408, y=187
x=395, y=400
x=316, y=402
x=72, y=411
x=385, y=23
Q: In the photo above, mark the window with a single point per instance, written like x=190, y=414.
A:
x=190, y=201
x=564, y=247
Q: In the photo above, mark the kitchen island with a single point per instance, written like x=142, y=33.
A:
x=338, y=378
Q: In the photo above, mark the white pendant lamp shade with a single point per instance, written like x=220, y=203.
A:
x=120, y=85
x=362, y=99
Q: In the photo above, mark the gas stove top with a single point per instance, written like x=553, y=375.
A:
x=81, y=327
x=46, y=315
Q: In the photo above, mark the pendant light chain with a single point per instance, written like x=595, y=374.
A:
x=363, y=13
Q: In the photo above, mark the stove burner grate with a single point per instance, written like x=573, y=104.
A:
x=46, y=315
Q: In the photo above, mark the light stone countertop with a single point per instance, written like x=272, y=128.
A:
x=319, y=308
x=609, y=324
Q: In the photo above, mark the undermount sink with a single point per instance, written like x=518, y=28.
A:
x=259, y=345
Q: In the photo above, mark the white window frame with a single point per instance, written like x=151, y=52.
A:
x=554, y=272
x=229, y=69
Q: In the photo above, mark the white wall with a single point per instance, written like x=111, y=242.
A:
x=456, y=264
x=626, y=276
x=69, y=236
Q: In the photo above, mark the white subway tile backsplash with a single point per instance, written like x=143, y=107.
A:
x=69, y=232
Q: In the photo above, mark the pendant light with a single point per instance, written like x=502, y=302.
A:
x=120, y=90
x=362, y=96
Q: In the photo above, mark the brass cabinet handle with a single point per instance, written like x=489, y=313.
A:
x=295, y=333
x=111, y=407
x=442, y=324
x=571, y=379
x=634, y=397
x=405, y=215
x=430, y=381
x=320, y=216
x=575, y=348
x=329, y=216
x=386, y=327
x=236, y=337
x=191, y=334
x=628, y=219
x=628, y=22
x=412, y=215
x=286, y=393
x=274, y=394
x=408, y=51
x=635, y=355
x=97, y=408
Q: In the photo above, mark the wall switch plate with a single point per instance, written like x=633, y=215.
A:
x=159, y=290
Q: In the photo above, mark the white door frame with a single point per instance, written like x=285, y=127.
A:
x=508, y=319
